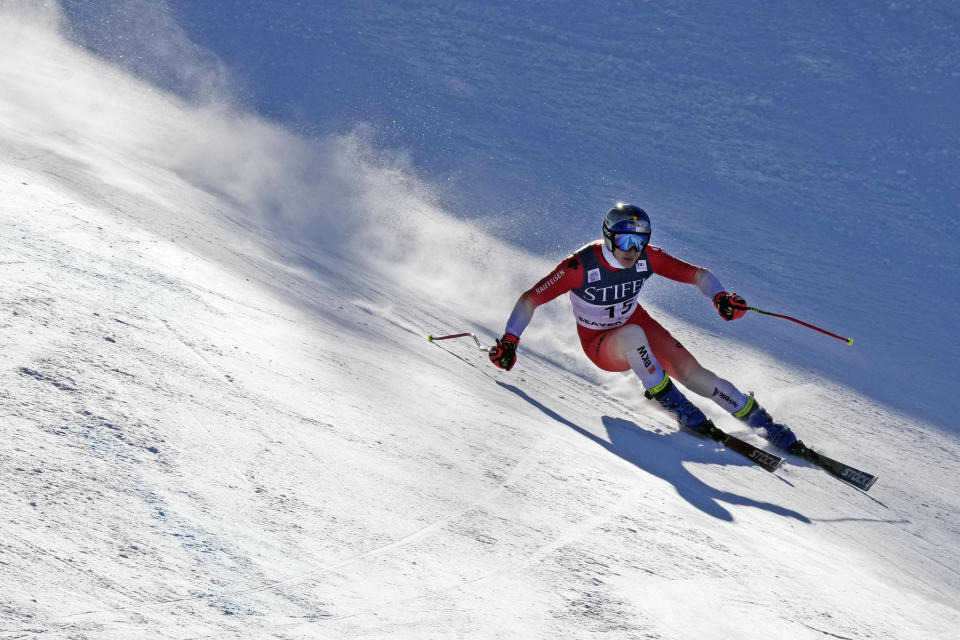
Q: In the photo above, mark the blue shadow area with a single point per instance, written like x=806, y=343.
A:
x=823, y=138
x=663, y=455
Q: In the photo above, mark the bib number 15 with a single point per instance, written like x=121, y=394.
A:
x=623, y=310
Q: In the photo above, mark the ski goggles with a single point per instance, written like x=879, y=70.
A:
x=627, y=241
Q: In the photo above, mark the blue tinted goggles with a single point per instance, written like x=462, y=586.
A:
x=627, y=241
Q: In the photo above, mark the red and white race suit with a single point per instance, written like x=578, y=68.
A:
x=617, y=333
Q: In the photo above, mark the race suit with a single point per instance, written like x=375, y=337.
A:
x=616, y=333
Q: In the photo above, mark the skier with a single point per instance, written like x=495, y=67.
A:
x=604, y=279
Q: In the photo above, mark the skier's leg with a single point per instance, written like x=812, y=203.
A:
x=628, y=347
x=681, y=364
x=778, y=434
x=629, y=344
x=683, y=367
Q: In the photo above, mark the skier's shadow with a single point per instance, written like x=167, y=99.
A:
x=663, y=455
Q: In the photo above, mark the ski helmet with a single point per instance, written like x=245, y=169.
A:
x=626, y=219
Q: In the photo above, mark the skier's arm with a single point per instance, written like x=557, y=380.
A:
x=730, y=306
x=664, y=264
x=521, y=316
x=708, y=283
x=566, y=276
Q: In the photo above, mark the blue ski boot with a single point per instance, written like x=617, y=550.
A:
x=673, y=400
x=779, y=435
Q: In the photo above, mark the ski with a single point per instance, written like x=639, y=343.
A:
x=859, y=479
x=761, y=458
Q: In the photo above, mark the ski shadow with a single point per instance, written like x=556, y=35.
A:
x=663, y=455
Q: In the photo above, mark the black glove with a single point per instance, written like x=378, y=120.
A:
x=730, y=306
x=504, y=353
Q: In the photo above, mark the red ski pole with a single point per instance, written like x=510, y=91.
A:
x=433, y=338
x=806, y=324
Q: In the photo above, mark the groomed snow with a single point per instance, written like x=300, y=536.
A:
x=214, y=428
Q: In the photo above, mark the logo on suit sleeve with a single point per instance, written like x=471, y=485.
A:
x=552, y=281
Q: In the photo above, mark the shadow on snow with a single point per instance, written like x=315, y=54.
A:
x=663, y=455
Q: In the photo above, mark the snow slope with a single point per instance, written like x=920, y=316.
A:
x=807, y=152
x=212, y=430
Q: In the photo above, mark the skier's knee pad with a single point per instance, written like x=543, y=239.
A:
x=636, y=349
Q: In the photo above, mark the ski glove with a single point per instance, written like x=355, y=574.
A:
x=504, y=353
x=730, y=306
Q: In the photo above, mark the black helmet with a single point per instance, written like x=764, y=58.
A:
x=625, y=218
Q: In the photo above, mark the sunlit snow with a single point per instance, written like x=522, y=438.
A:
x=221, y=417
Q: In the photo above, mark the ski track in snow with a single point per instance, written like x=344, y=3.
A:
x=204, y=437
x=584, y=531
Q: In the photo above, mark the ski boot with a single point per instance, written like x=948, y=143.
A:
x=673, y=400
x=779, y=435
